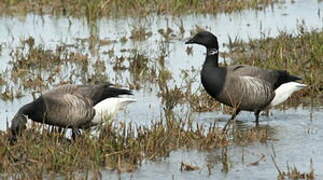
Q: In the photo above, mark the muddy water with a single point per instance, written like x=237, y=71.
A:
x=295, y=132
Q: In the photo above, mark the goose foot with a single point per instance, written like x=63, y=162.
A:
x=225, y=128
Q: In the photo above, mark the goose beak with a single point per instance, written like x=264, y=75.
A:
x=191, y=41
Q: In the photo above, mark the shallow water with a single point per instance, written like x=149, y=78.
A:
x=296, y=140
x=297, y=130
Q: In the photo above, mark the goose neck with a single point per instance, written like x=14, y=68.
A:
x=34, y=110
x=26, y=109
x=212, y=56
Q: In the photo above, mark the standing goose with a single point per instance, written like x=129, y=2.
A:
x=240, y=86
x=72, y=106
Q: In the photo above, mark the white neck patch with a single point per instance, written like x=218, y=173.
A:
x=212, y=52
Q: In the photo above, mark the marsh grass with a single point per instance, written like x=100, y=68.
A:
x=300, y=54
x=294, y=173
x=140, y=34
x=118, y=147
x=36, y=68
x=98, y=8
x=188, y=167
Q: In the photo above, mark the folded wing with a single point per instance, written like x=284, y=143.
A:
x=246, y=92
x=67, y=109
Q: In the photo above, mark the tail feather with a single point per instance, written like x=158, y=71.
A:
x=293, y=78
x=115, y=92
x=284, y=91
x=285, y=77
x=102, y=92
x=108, y=107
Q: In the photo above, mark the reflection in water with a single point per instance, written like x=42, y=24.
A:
x=225, y=161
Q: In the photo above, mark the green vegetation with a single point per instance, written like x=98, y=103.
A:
x=98, y=8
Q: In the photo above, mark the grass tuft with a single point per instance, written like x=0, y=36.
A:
x=98, y=8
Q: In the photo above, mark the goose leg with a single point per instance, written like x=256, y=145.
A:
x=75, y=132
x=257, y=112
x=60, y=130
x=236, y=112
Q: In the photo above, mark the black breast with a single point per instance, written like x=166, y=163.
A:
x=213, y=79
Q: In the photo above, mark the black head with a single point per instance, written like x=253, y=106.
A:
x=204, y=38
x=19, y=121
x=18, y=124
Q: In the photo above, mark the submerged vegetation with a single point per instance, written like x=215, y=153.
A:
x=294, y=173
x=33, y=67
x=98, y=8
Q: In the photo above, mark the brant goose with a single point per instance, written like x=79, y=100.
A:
x=243, y=87
x=72, y=106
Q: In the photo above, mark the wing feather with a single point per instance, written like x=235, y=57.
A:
x=72, y=105
x=274, y=78
x=67, y=109
x=271, y=76
x=246, y=92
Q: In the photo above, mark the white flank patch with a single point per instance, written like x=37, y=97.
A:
x=285, y=90
x=108, y=107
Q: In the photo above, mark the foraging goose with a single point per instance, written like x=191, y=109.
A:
x=72, y=106
x=240, y=86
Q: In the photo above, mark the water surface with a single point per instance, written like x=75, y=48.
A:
x=297, y=132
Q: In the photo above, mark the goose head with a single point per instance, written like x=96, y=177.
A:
x=18, y=124
x=205, y=38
